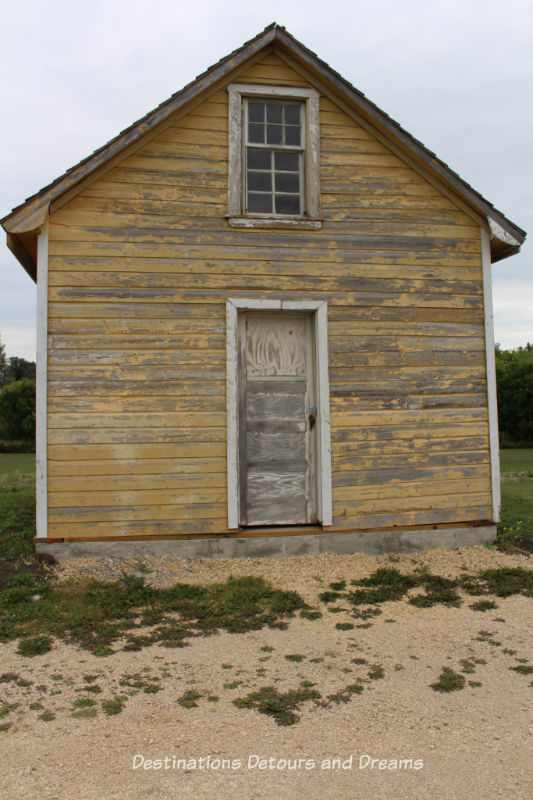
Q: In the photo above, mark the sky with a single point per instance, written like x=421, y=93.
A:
x=456, y=74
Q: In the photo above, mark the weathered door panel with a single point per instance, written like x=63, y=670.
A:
x=276, y=453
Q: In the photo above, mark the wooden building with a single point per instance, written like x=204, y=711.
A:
x=264, y=326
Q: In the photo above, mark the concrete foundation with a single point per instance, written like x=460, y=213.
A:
x=268, y=546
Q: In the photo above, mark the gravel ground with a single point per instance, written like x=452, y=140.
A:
x=397, y=739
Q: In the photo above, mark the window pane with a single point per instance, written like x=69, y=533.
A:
x=256, y=133
x=256, y=112
x=260, y=181
x=292, y=114
x=274, y=133
x=260, y=202
x=285, y=182
x=274, y=112
x=292, y=134
x=287, y=161
x=258, y=159
x=287, y=204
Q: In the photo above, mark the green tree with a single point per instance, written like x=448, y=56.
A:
x=514, y=377
x=17, y=368
x=17, y=410
x=3, y=363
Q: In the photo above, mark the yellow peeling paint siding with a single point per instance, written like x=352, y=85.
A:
x=140, y=265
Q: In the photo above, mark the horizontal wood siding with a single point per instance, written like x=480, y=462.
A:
x=141, y=263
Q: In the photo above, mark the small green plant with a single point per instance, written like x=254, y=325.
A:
x=114, y=706
x=523, y=669
x=344, y=626
x=449, y=681
x=84, y=702
x=297, y=657
x=376, y=672
x=343, y=695
x=232, y=685
x=280, y=705
x=338, y=586
x=467, y=666
x=34, y=646
x=267, y=648
x=308, y=613
x=47, y=716
x=188, y=699
x=483, y=605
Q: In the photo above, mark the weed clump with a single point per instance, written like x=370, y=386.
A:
x=34, y=646
x=449, y=681
x=280, y=705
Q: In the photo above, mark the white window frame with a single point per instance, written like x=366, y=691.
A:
x=323, y=456
x=237, y=216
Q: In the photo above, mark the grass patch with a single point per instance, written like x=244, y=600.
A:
x=343, y=695
x=376, y=672
x=483, y=605
x=114, y=706
x=188, y=699
x=84, y=702
x=34, y=646
x=449, y=681
x=295, y=657
x=523, y=669
x=309, y=613
x=515, y=531
x=94, y=614
x=344, y=626
x=283, y=706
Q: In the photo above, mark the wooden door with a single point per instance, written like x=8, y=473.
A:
x=276, y=419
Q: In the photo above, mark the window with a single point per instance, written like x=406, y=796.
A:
x=273, y=156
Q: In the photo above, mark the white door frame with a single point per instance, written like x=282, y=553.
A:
x=320, y=319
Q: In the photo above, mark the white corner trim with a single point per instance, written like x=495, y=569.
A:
x=491, y=376
x=232, y=405
x=497, y=232
x=41, y=480
x=320, y=309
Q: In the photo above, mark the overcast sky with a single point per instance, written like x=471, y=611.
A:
x=457, y=74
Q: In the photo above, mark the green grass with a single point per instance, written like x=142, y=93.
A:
x=13, y=463
x=95, y=615
x=449, y=681
x=516, y=527
x=516, y=460
x=280, y=705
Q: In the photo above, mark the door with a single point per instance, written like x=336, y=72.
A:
x=277, y=416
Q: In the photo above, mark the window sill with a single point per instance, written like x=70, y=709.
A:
x=275, y=222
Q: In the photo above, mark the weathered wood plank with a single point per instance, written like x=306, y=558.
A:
x=80, y=484
x=131, y=468
x=174, y=512
x=156, y=451
x=127, y=419
x=418, y=491
x=130, y=436
x=134, y=498
x=468, y=513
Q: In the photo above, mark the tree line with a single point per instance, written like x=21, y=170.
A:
x=514, y=380
x=17, y=403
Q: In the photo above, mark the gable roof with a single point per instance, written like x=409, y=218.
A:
x=22, y=224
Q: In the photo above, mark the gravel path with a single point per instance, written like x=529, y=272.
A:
x=397, y=739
